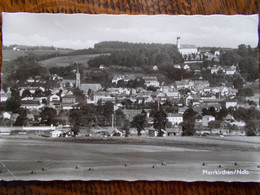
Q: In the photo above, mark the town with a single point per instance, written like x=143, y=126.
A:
x=126, y=89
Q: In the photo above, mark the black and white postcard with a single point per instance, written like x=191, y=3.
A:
x=120, y=97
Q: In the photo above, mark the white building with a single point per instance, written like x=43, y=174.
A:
x=231, y=103
x=186, y=49
x=175, y=119
x=54, y=98
x=151, y=81
x=206, y=119
x=56, y=133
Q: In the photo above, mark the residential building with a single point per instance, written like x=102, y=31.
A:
x=206, y=119
x=151, y=81
x=175, y=119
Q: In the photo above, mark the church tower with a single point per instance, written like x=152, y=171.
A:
x=77, y=78
x=178, y=43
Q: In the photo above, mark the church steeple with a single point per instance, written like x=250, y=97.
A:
x=77, y=78
x=178, y=43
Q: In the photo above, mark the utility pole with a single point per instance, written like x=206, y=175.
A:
x=112, y=120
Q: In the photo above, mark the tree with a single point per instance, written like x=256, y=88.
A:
x=75, y=129
x=38, y=93
x=251, y=128
x=159, y=121
x=119, y=118
x=229, y=58
x=238, y=83
x=91, y=94
x=248, y=67
x=108, y=110
x=14, y=102
x=48, y=116
x=188, y=123
x=21, y=120
x=80, y=96
x=125, y=127
x=139, y=122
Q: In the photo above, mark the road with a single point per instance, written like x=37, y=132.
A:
x=41, y=159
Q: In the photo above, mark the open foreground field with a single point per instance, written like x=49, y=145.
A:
x=171, y=158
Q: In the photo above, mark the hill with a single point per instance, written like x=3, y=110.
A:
x=10, y=54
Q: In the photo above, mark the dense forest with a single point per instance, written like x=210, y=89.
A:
x=136, y=54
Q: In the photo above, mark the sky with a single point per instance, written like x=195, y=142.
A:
x=80, y=31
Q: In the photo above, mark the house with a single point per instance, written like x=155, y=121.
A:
x=56, y=133
x=30, y=117
x=170, y=92
x=178, y=66
x=192, y=99
x=175, y=119
x=54, y=98
x=182, y=110
x=174, y=131
x=231, y=103
x=144, y=99
x=6, y=115
x=103, y=96
x=229, y=118
x=230, y=70
x=182, y=84
x=217, y=106
x=186, y=67
x=161, y=97
x=30, y=88
x=200, y=84
x=5, y=96
x=31, y=104
x=30, y=80
x=186, y=49
x=217, y=53
x=56, y=77
x=155, y=68
x=67, y=106
x=117, y=91
x=67, y=83
x=215, y=69
x=154, y=133
x=14, y=117
x=69, y=99
x=125, y=78
x=151, y=81
x=206, y=119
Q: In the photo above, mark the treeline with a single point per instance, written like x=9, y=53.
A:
x=136, y=54
x=20, y=69
x=247, y=59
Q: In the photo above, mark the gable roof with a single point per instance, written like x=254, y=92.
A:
x=94, y=87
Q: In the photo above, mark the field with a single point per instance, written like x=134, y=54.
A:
x=9, y=55
x=67, y=60
x=172, y=158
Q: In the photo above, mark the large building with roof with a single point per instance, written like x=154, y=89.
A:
x=186, y=49
x=85, y=87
